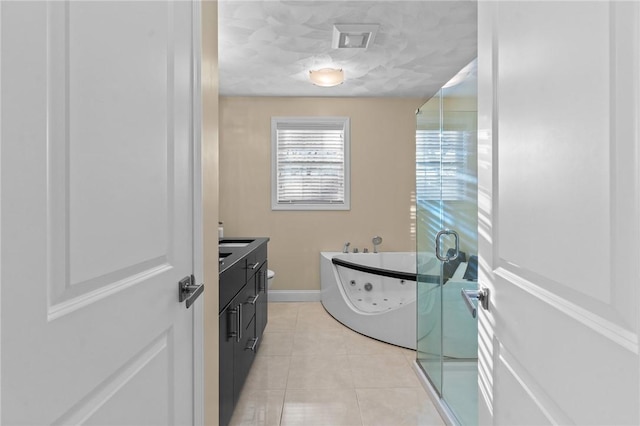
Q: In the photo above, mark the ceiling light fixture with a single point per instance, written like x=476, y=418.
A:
x=353, y=36
x=327, y=77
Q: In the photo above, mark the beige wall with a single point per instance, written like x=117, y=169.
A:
x=382, y=182
x=210, y=205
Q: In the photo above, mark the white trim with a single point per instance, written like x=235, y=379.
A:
x=198, y=362
x=198, y=236
x=623, y=337
x=66, y=307
x=1, y=220
x=294, y=295
x=346, y=123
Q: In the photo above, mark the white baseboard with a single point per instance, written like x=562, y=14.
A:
x=294, y=295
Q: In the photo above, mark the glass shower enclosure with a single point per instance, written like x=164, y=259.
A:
x=447, y=244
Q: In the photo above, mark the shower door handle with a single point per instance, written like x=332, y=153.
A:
x=457, y=246
x=481, y=295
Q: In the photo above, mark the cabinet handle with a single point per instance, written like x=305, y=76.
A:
x=239, y=334
x=254, y=343
x=253, y=301
x=232, y=333
x=254, y=266
x=262, y=279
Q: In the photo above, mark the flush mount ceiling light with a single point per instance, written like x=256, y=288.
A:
x=326, y=77
x=353, y=36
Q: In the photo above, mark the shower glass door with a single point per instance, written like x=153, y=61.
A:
x=429, y=222
x=446, y=198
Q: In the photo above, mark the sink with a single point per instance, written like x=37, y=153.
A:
x=234, y=243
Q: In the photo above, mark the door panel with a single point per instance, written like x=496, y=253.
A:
x=109, y=403
x=116, y=237
x=134, y=237
x=558, y=186
x=564, y=112
x=97, y=195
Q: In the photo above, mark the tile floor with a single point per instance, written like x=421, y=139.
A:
x=312, y=370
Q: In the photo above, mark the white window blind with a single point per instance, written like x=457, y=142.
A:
x=441, y=165
x=310, y=167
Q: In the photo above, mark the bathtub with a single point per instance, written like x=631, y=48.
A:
x=374, y=293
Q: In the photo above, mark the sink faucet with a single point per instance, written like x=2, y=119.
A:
x=345, y=249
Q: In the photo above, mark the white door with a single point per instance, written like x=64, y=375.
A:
x=96, y=212
x=559, y=197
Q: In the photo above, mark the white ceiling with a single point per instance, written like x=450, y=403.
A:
x=266, y=48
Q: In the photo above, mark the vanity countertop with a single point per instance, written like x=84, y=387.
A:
x=234, y=249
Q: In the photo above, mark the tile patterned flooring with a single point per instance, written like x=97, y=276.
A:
x=312, y=370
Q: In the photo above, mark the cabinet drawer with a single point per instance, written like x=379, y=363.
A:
x=248, y=300
x=243, y=358
x=255, y=259
x=227, y=343
x=231, y=282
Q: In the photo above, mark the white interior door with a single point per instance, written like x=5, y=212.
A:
x=96, y=212
x=559, y=196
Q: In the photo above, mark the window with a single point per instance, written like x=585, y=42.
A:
x=310, y=163
x=444, y=166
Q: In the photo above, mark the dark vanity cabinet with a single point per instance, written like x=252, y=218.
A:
x=237, y=337
x=242, y=314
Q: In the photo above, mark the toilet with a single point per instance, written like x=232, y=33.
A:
x=270, y=275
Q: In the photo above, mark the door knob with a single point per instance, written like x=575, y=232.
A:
x=481, y=295
x=188, y=291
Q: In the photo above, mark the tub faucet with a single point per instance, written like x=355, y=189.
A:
x=376, y=242
x=345, y=249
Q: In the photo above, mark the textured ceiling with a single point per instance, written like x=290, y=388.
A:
x=266, y=48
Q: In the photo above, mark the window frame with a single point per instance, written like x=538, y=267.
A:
x=345, y=122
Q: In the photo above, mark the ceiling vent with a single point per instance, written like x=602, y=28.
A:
x=353, y=36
